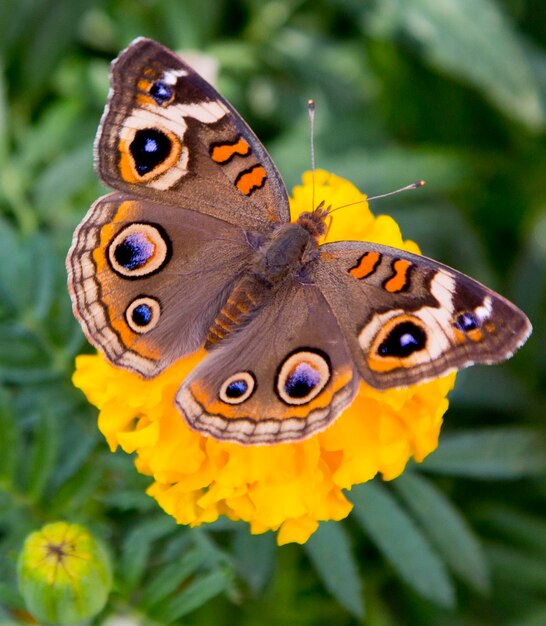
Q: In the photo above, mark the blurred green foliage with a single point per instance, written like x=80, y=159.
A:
x=451, y=91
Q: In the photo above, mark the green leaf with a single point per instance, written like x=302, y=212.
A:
x=494, y=388
x=4, y=113
x=137, y=547
x=170, y=576
x=77, y=491
x=521, y=570
x=530, y=279
x=254, y=557
x=10, y=597
x=9, y=442
x=129, y=500
x=330, y=552
x=200, y=591
x=56, y=130
x=54, y=31
x=447, y=529
x=471, y=39
x=516, y=526
x=44, y=267
x=11, y=258
x=63, y=179
x=534, y=616
x=496, y=453
x=402, y=543
x=43, y=454
x=77, y=447
x=19, y=349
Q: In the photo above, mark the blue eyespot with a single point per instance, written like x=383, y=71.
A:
x=302, y=376
x=142, y=315
x=134, y=251
x=149, y=148
x=236, y=389
x=139, y=250
x=161, y=92
x=403, y=340
x=466, y=322
x=301, y=381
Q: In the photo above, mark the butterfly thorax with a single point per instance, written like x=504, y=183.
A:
x=285, y=253
x=290, y=247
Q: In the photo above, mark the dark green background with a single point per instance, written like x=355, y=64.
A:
x=452, y=91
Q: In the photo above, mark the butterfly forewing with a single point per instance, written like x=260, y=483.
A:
x=409, y=319
x=166, y=133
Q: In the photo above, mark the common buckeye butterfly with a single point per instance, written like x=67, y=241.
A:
x=195, y=248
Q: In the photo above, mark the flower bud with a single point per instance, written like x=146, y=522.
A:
x=64, y=574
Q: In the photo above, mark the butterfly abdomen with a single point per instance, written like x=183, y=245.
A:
x=245, y=299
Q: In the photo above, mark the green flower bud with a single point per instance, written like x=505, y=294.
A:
x=64, y=574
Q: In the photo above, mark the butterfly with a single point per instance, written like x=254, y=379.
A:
x=195, y=248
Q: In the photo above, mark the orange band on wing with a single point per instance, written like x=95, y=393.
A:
x=366, y=265
x=400, y=279
x=475, y=335
x=116, y=316
x=144, y=98
x=459, y=336
x=222, y=153
x=251, y=179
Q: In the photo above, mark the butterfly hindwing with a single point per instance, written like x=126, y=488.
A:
x=284, y=376
x=147, y=280
x=167, y=135
x=409, y=319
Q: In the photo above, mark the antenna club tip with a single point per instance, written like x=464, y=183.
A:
x=420, y=183
x=311, y=104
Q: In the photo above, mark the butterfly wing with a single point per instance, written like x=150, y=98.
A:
x=168, y=136
x=283, y=377
x=147, y=280
x=409, y=319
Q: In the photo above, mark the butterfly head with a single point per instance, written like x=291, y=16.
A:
x=314, y=222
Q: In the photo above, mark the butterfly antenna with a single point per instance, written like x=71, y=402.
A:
x=415, y=185
x=311, y=110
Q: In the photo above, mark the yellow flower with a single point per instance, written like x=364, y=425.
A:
x=287, y=487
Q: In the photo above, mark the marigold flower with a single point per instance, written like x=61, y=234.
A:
x=288, y=487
